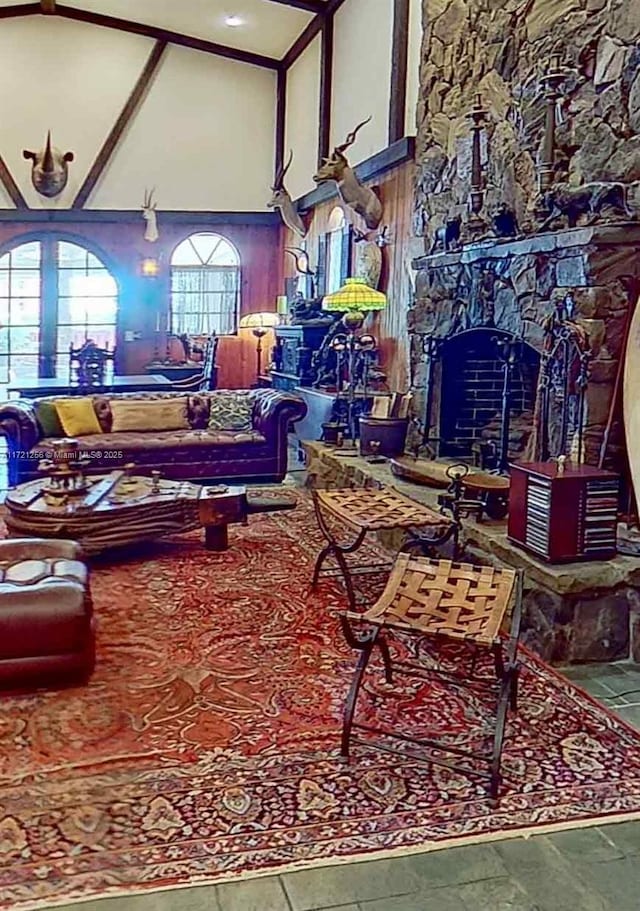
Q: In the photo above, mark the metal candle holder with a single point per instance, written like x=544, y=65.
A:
x=551, y=82
x=476, y=224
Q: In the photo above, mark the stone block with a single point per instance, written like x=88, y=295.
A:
x=545, y=14
x=600, y=628
x=570, y=272
x=609, y=61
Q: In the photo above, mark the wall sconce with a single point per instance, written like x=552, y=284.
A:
x=149, y=267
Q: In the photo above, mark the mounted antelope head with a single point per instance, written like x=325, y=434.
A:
x=49, y=171
x=149, y=215
x=282, y=201
x=354, y=194
x=303, y=266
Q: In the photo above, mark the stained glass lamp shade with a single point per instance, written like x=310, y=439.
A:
x=355, y=299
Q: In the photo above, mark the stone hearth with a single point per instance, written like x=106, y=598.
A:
x=513, y=286
x=574, y=613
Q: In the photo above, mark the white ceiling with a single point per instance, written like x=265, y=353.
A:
x=270, y=28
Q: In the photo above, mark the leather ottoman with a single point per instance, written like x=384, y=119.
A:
x=46, y=618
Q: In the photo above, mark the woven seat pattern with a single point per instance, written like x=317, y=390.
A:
x=441, y=597
x=378, y=509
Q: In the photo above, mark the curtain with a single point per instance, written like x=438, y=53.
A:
x=204, y=300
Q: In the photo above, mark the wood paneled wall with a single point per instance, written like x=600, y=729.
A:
x=395, y=189
x=121, y=246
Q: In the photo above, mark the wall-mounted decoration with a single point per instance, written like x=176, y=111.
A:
x=306, y=285
x=282, y=201
x=367, y=260
x=149, y=215
x=353, y=193
x=50, y=168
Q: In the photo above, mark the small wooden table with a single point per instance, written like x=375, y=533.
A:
x=118, y=510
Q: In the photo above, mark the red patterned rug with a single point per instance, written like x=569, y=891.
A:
x=206, y=745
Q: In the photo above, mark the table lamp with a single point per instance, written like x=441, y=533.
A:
x=356, y=298
x=259, y=323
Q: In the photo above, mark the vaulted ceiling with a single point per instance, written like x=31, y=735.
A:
x=268, y=28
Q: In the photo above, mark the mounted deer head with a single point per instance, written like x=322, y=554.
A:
x=282, y=200
x=149, y=215
x=354, y=194
x=49, y=171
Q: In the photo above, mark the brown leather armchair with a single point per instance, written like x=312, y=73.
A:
x=46, y=616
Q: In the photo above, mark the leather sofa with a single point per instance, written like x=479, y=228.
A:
x=46, y=617
x=258, y=454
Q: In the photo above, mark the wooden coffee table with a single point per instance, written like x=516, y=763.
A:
x=118, y=510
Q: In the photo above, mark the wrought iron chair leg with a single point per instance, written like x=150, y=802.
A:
x=498, y=660
x=322, y=556
x=513, y=695
x=342, y=563
x=504, y=701
x=366, y=648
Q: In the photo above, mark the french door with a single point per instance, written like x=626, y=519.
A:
x=53, y=293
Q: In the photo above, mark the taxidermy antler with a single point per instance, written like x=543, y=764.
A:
x=354, y=194
x=149, y=215
x=282, y=200
x=301, y=258
x=49, y=171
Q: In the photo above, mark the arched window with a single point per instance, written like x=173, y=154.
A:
x=205, y=286
x=53, y=293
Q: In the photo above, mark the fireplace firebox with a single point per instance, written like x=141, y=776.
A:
x=473, y=366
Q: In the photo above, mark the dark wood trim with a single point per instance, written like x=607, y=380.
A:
x=127, y=112
x=378, y=164
x=37, y=217
x=281, y=118
x=309, y=6
x=332, y=6
x=163, y=34
x=48, y=7
x=12, y=188
x=19, y=9
x=326, y=80
x=302, y=42
x=399, y=56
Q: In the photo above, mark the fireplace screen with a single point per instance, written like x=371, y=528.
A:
x=473, y=389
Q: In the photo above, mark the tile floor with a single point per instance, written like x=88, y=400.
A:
x=593, y=869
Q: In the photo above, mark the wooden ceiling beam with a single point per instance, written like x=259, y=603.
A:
x=112, y=140
x=303, y=41
x=309, y=6
x=326, y=90
x=48, y=7
x=399, y=57
x=13, y=191
x=163, y=34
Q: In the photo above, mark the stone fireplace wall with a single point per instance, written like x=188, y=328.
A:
x=499, y=48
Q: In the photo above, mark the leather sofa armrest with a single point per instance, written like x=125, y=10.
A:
x=19, y=425
x=273, y=408
x=15, y=549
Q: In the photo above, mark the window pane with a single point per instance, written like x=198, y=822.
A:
x=24, y=283
x=71, y=255
x=24, y=340
x=26, y=256
x=24, y=311
x=4, y=283
x=205, y=297
x=22, y=367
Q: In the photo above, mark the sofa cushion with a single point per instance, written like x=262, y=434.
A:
x=198, y=409
x=128, y=441
x=230, y=411
x=77, y=416
x=149, y=416
x=47, y=418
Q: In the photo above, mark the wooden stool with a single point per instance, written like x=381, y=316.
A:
x=366, y=510
x=451, y=601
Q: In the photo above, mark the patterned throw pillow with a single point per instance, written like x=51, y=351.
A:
x=230, y=411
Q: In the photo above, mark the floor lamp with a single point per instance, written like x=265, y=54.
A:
x=354, y=299
x=260, y=324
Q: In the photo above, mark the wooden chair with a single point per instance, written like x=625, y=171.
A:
x=88, y=365
x=427, y=599
x=207, y=379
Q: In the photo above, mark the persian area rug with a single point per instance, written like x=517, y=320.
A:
x=206, y=746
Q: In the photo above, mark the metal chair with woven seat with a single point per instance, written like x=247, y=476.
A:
x=447, y=601
x=366, y=511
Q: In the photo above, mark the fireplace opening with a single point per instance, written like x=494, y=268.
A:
x=472, y=391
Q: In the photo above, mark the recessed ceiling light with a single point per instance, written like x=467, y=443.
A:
x=233, y=21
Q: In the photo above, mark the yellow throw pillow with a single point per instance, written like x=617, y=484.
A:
x=154, y=414
x=77, y=416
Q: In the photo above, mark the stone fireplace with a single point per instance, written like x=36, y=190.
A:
x=505, y=288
